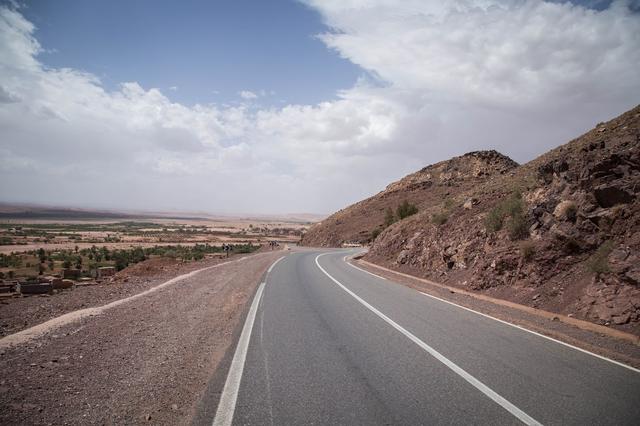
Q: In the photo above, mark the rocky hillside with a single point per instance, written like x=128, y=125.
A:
x=432, y=184
x=561, y=232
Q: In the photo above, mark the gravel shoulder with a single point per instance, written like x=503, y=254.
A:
x=147, y=361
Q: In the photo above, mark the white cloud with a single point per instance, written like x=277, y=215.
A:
x=447, y=77
x=247, y=94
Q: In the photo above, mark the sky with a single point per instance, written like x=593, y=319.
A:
x=254, y=107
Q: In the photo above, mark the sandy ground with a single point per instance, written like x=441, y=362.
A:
x=146, y=361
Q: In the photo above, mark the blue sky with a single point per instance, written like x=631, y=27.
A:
x=341, y=97
x=209, y=50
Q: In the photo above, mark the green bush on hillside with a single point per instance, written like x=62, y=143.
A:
x=511, y=207
x=406, y=209
x=599, y=261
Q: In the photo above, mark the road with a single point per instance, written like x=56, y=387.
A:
x=327, y=343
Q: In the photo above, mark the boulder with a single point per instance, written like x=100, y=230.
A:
x=566, y=210
x=610, y=195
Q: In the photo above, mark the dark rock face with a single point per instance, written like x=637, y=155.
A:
x=609, y=196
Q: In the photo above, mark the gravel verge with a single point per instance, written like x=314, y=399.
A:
x=147, y=361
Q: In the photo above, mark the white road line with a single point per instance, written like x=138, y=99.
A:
x=273, y=265
x=360, y=269
x=515, y=411
x=39, y=330
x=513, y=325
x=227, y=404
x=533, y=332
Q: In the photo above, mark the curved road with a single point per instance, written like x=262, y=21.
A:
x=332, y=344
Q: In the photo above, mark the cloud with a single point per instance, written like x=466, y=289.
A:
x=247, y=94
x=6, y=97
x=440, y=79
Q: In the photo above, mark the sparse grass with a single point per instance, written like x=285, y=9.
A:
x=518, y=228
x=599, y=261
x=449, y=204
x=439, y=218
x=389, y=218
x=527, y=251
x=442, y=216
x=493, y=221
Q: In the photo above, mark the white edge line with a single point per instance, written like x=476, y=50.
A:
x=515, y=411
x=273, y=265
x=533, y=332
x=42, y=329
x=621, y=364
x=360, y=269
x=227, y=405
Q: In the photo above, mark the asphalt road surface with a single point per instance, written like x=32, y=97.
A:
x=327, y=343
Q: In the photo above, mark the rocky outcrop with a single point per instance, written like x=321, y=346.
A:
x=430, y=185
x=577, y=210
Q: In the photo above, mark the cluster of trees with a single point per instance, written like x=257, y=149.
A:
x=93, y=257
x=10, y=260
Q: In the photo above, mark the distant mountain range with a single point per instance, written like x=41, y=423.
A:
x=24, y=211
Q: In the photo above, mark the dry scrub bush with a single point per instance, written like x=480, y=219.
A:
x=599, y=261
x=527, y=251
x=512, y=207
x=439, y=218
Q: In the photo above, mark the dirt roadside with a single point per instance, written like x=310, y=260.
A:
x=17, y=314
x=147, y=361
x=625, y=350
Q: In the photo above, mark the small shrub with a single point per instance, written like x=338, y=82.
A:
x=375, y=233
x=599, y=261
x=512, y=207
x=439, y=218
x=449, y=204
x=571, y=246
x=518, y=229
x=389, y=217
x=406, y=209
x=493, y=221
x=527, y=251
